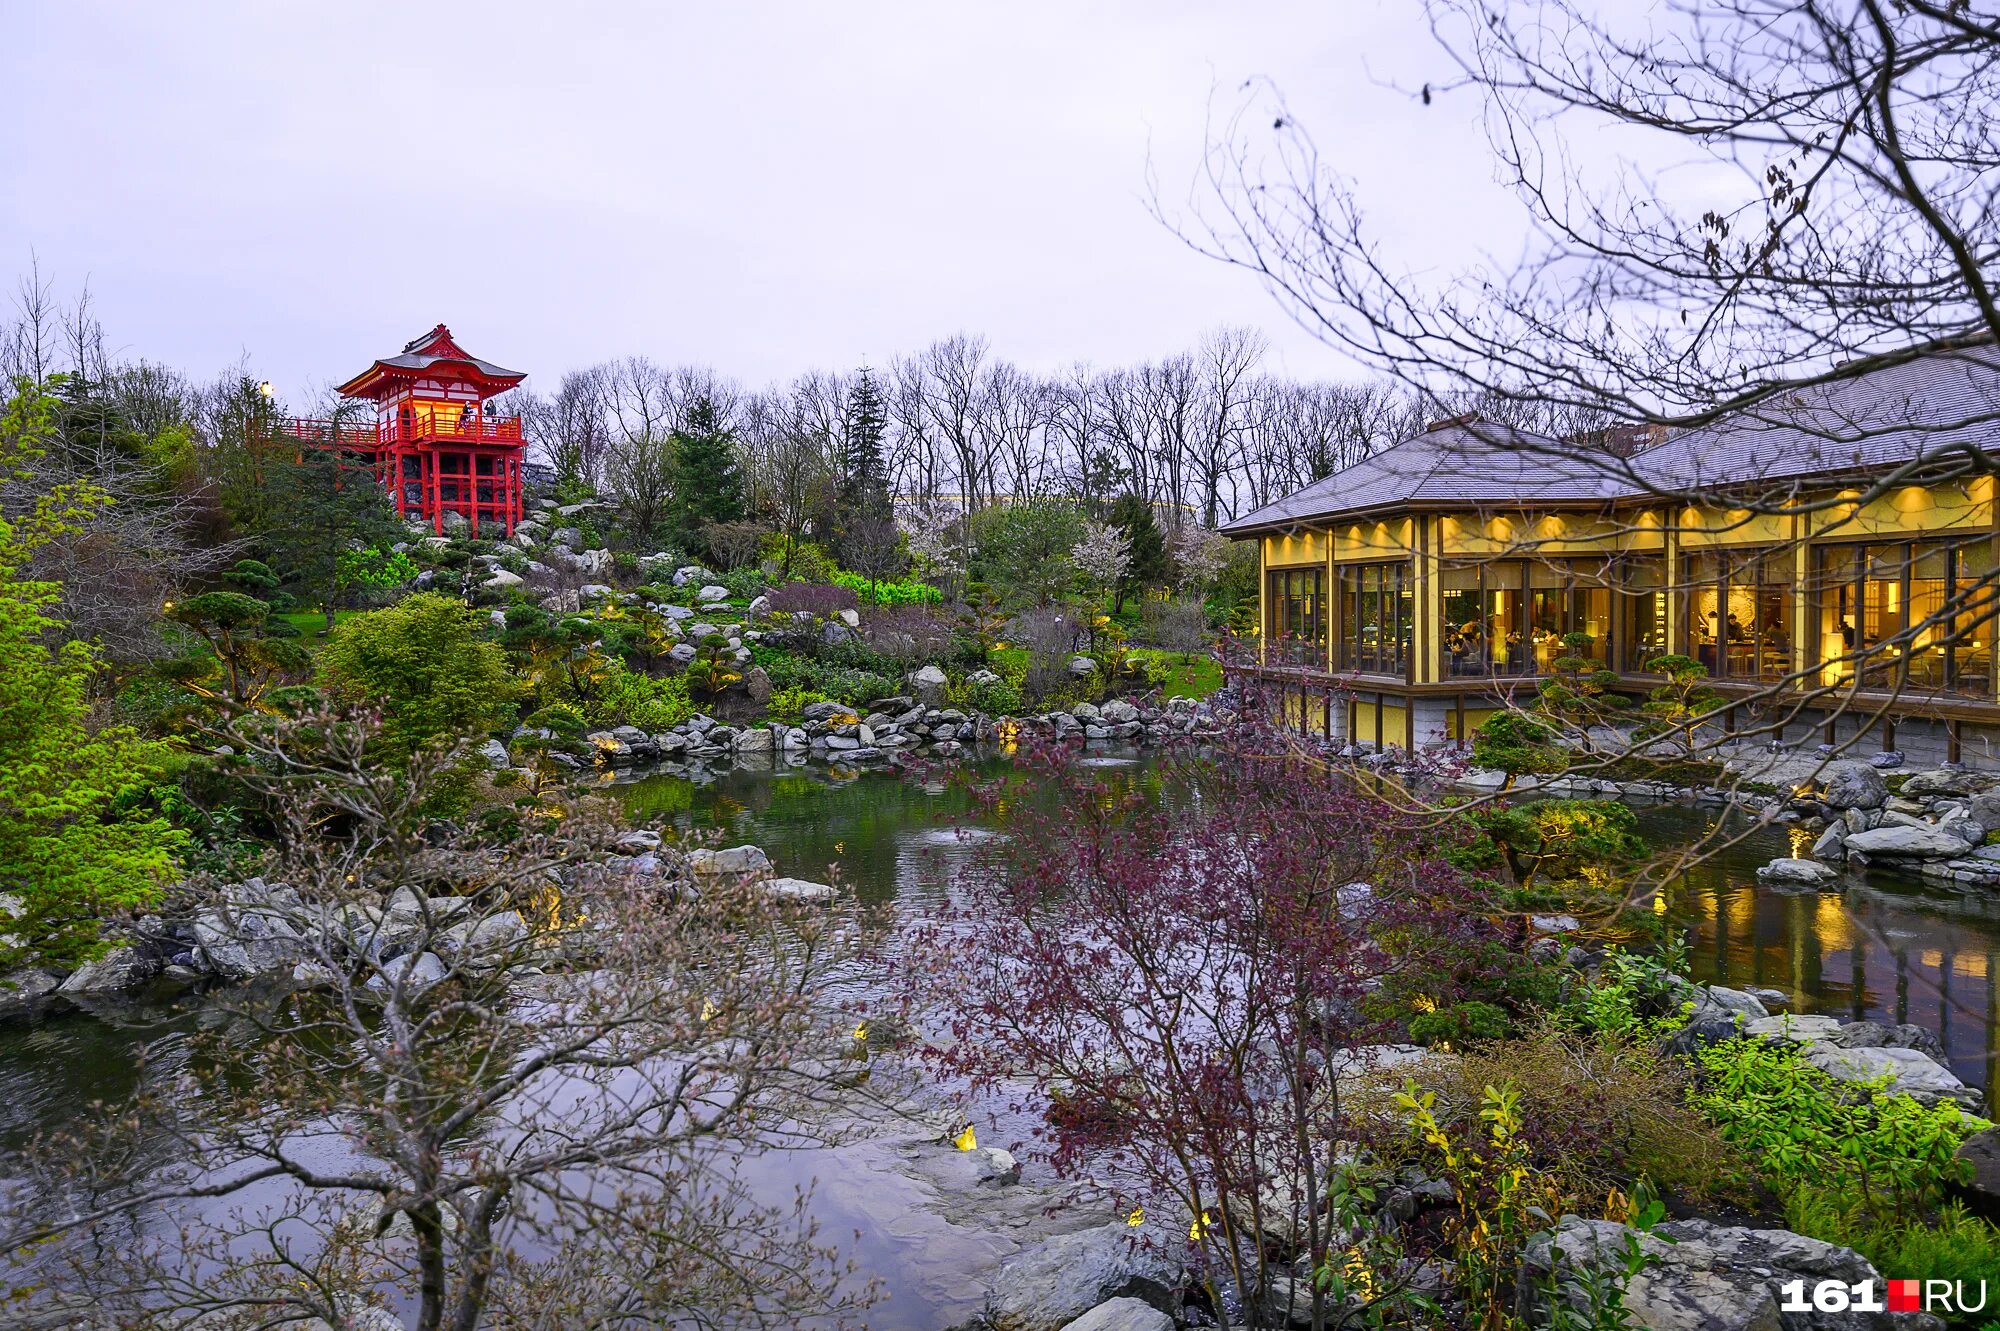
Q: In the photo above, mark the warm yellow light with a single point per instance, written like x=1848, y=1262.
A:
x=266, y=389
x=709, y=1011
x=967, y=1140
x=1202, y=1224
x=1424, y=1003
x=861, y=1030
x=1138, y=1216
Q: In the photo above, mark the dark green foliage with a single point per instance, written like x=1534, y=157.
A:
x=312, y=515
x=863, y=510
x=1561, y=839
x=1518, y=745
x=708, y=485
x=1147, y=567
x=1579, y=689
x=1458, y=1023
x=248, y=652
x=1679, y=703
x=1022, y=551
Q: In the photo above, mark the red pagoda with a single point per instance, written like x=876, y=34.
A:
x=436, y=446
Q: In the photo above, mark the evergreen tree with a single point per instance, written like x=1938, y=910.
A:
x=1147, y=565
x=319, y=513
x=708, y=481
x=865, y=515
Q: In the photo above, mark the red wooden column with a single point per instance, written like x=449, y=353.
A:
x=472, y=480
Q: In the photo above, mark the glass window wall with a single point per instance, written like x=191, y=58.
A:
x=1376, y=619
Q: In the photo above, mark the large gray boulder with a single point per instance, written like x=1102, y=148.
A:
x=1939, y=781
x=1791, y=872
x=24, y=989
x=1702, y=1277
x=250, y=933
x=749, y=860
x=1910, y=1071
x=1851, y=785
x=929, y=684
x=120, y=969
x=1048, y=1286
x=1907, y=843
x=1123, y=1315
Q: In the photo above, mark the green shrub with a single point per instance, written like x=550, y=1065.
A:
x=425, y=663
x=856, y=688
x=746, y=583
x=628, y=697
x=1880, y=1152
x=1459, y=1022
x=789, y=704
x=993, y=697
x=809, y=562
x=900, y=592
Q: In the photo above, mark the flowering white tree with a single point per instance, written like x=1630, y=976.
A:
x=930, y=529
x=1102, y=555
x=1198, y=553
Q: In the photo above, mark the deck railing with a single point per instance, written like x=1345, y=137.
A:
x=436, y=427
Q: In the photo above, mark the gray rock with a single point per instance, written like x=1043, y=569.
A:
x=735, y=860
x=754, y=741
x=1984, y=809
x=929, y=684
x=1081, y=666
x=243, y=939
x=413, y=972
x=1790, y=872
x=594, y=591
x=1980, y=1153
x=569, y=538
x=1554, y=924
x=1852, y=785
x=488, y=940
x=1049, y=1286
x=710, y=594
x=1126, y=1315
x=1938, y=781
x=1736, y=1000
x=495, y=754
x=799, y=889
x=1910, y=1072
x=120, y=969
x=1876, y=1035
x=1795, y=1028
x=1832, y=843
x=502, y=578
x=1703, y=1276
x=1911, y=843
x=1119, y=712
x=26, y=988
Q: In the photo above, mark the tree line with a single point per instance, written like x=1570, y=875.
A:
x=1203, y=435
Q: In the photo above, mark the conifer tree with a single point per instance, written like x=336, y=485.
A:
x=864, y=513
x=1147, y=565
x=708, y=480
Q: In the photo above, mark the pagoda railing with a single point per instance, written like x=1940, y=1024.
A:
x=503, y=431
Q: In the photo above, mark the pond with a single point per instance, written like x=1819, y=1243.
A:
x=1879, y=950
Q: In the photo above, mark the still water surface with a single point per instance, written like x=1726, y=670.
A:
x=1880, y=949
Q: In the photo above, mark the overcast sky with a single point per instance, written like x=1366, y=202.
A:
x=759, y=186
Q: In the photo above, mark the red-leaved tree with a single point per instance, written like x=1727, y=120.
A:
x=1183, y=976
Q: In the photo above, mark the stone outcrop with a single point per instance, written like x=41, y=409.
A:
x=1059, y=1280
x=1702, y=1276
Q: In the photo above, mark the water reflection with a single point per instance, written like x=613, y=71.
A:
x=1882, y=950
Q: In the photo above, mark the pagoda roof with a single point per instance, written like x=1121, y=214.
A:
x=425, y=355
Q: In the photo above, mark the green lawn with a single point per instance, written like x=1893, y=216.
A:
x=311, y=624
x=1191, y=677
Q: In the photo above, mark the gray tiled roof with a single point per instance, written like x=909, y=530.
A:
x=1442, y=467
x=1939, y=401
x=415, y=362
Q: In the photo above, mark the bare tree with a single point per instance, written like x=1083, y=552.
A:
x=1225, y=363
x=508, y=1091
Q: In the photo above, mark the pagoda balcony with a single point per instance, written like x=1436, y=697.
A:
x=492, y=431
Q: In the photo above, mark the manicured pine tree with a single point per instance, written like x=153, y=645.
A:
x=864, y=512
x=1148, y=565
x=708, y=481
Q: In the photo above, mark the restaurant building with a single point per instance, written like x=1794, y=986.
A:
x=1829, y=559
